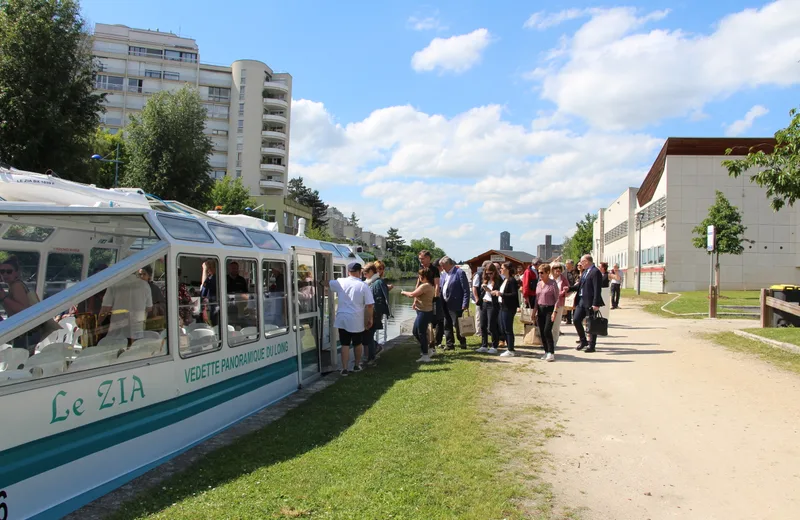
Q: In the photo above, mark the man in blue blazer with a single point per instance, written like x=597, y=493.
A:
x=589, y=301
x=455, y=292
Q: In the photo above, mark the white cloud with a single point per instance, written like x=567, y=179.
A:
x=425, y=23
x=742, y=125
x=455, y=54
x=542, y=20
x=617, y=76
x=430, y=175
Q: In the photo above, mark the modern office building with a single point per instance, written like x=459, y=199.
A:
x=673, y=199
x=505, y=241
x=548, y=250
x=248, y=106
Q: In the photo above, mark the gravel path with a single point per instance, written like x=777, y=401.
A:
x=659, y=424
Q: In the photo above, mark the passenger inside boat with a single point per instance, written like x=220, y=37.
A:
x=156, y=318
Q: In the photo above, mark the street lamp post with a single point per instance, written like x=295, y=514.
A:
x=116, y=161
x=639, y=217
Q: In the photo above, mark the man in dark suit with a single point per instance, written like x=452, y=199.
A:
x=589, y=301
x=455, y=293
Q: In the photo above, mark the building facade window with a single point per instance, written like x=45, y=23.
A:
x=174, y=76
x=241, y=93
x=241, y=109
x=239, y=147
x=105, y=82
x=218, y=174
x=270, y=215
x=152, y=73
x=238, y=159
x=219, y=94
x=135, y=85
x=240, y=127
x=238, y=174
x=219, y=132
x=144, y=51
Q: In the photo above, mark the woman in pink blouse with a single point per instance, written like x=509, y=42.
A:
x=547, y=295
x=557, y=268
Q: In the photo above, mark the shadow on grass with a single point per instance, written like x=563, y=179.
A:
x=314, y=423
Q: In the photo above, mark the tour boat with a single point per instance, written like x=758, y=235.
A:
x=129, y=351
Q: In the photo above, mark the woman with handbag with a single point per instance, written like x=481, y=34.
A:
x=508, y=296
x=489, y=309
x=423, y=304
x=547, y=295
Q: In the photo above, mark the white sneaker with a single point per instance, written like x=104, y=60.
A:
x=492, y=350
x=551, y=357
x=432, y=352
x=424, y=359
x=508, y=353
x=544, y=358
x=482, y=349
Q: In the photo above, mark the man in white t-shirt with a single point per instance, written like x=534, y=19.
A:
x=353, y=313
x=128, y=302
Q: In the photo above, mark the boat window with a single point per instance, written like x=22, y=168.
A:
x=198, y=305
x=63, y=271
x=241, y=283
x=101, y=258
x=230, y=236
x=338, y=272
x=27, y=233
x=306, y=285
x=276, y=301
x=264, y=240
x=330, y=247
x=345, y=251
x=185, y=229
x=123, y=322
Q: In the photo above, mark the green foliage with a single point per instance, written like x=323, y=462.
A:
x=394, y=242
x=232, y=195
x=304, y=195
x=566, y=248
x=48, y=112
x=778, y=172
x=727, y=220
x=353, y=220
x=168, y=149
x=580, y=243
x=417, y=245
x=105, y=145
x=319, y=233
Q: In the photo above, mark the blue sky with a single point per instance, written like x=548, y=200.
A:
x=457, y=120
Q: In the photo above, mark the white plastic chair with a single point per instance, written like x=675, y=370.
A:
x=94, y=360
x=98, y=350
x=64, y=349
x=231, y=328
x=68, y=322
x=57, y=336
x=5, y=346
x=13, y=358
x=163, y=334
x=141, y=349
x=249, y=332
x=115, y=341
x=202, y=339
x=51, y=364
x=197, y=326
x=14, y=375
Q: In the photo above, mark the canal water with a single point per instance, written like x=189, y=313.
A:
x=401, y=311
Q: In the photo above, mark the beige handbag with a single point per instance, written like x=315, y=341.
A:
x=532, y=337
x=466, y=324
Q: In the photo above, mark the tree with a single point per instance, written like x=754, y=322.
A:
x=105, y=144
x=48, y=110
x=580, y=243
x=417, y=245
x=727, y=221
x=318, y=233
x=168, y=149
x=394, y=242
x=304, y=195
x=232, y=195
x=566, y=249
x=353, y=220
x=779, y=171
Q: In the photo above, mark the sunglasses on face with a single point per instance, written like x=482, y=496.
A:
x=6, y=271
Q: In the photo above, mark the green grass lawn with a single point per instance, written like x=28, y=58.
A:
x=397, y=441
x=697, y=302
x=780, y=358
x=784, y=334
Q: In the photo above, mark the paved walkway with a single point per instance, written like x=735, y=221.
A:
x=660, y=424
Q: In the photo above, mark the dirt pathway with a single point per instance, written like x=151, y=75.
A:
x=659, y=424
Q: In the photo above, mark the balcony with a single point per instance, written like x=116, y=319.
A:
x=280, y=152
x=274, y=118
x=276, y=85
x=271, y=184
x=274, y=134
x=276, y=102
x=277, y=168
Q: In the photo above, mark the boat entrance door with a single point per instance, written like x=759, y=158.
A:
x=311, y=271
